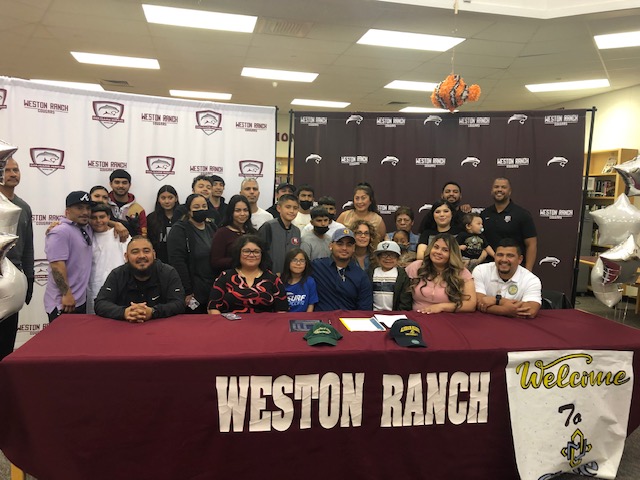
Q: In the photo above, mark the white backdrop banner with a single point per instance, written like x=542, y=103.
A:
x=73, y=139
x=569, y=411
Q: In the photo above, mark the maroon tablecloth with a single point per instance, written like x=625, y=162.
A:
x=91, y=398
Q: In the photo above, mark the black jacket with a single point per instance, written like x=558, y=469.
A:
x=163, y=292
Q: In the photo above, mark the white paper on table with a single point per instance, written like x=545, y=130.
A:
x=560, y=424
x=362, y=324
x=388, y=320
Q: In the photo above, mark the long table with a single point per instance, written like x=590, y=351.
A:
x=92, y=398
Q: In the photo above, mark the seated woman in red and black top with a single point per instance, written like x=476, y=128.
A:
x=249, y=287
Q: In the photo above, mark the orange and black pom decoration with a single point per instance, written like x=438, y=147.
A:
x=453, y=92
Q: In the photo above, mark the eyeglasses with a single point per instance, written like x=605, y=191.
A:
x=251, y=253
x=362, y=234
x=86, y=236
x=299, y=261
x=388, y=255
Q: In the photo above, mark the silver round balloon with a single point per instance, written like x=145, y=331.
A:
x=621, y=262
x=617, y=221
x=13, y=283
x=630, y=173
x=609, y=294
x=6, y=151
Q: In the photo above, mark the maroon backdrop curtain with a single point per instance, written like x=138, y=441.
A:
x=408, y=157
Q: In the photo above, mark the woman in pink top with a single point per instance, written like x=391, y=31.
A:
x=440, y=283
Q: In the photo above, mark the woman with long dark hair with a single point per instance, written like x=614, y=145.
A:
x=441, y=217
x=235, y=223
x=189, y=244
x=440, y=282
x=364, y=208
x=249, y=286
x=160, y=221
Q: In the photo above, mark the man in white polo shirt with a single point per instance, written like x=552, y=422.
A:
x=506, y=288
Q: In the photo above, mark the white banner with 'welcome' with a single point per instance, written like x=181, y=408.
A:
x=569, y=411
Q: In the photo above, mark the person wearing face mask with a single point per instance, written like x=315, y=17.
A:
x=189, y=247
x=315, y=243
x=473, y=244
x=329, y=204
x=305, y=197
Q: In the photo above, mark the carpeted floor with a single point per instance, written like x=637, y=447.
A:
x=630, y=464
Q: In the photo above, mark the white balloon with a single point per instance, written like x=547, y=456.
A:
x=609, y=294
x=621, y=262
x=617, y=221
x=13, y=283
x=6, y=151
x=630, y=173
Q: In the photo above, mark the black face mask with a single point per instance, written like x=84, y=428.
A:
x=306, y=204
x=320, y=230
x=199, y=215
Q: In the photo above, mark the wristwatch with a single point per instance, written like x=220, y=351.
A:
x=498, y=298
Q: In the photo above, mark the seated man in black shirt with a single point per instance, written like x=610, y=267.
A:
x=142, y=289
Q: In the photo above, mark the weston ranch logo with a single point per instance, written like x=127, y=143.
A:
x=431, y=162
x=206, y=169
x=160, y=166
x=512, y=162
x=208, y=121
x=108, y=113
x=555, y=213
x=40, y=270
x=3, y=98
x=354, y=160
x=251, y=126
x=44, y=219
x=561, y=120
x=312, y=121
x=158, y=119
x=474, y=121
x=47, y=160
x=391, y=122
x=45, y=107
x=250, y=168
x=106, y=166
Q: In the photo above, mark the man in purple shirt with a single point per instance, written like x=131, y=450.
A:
x=69, y=252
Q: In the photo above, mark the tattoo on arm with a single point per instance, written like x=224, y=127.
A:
x=61, y=283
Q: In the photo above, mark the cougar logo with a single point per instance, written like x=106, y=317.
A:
x=160, y=166
x=426, y=206
x=349, y=204
x=250, y=168
x=40, y=271
x=208, y=121
x=518, y=117
x=554, y=261
x=433, y=119
x=47, y=160
x=474, y=161
x=314, y=156
x=355, y=118
x=3, y=98
x=108, y=113
x=389, y=159
x=559, y=160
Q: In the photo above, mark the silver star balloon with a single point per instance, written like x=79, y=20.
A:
x=621, y=262
x=13, y=283
x=617, y=221
x=630, y=172
x=609, y=294
x=9, y=215
x=6, y=151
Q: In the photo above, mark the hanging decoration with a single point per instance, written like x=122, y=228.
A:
x=453, y=91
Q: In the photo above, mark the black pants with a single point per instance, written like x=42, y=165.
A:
x=8, y=331
x=56, y=313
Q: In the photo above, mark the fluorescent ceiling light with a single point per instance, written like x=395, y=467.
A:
x=416, y=86
x=563, y=86
x=278, y=74
x=319, y=103
x=205, y=95
x=116, y=61
x=183, y=17
x=416, y=41
x=424, y=110
x=96, y=87
x=618, y=40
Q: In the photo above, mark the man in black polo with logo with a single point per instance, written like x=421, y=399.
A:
x=505, y=219
x=142, y=289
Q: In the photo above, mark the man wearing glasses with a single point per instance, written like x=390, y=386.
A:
x=341, y=283
x=68, y=248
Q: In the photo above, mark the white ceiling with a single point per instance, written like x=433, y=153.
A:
x=502, y=53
